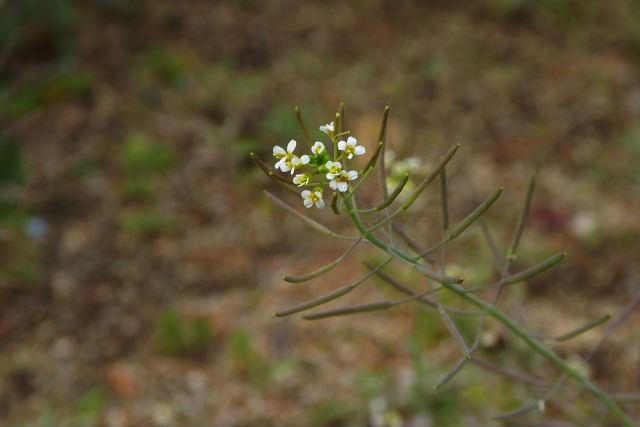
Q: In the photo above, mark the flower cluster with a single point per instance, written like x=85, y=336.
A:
x=318, y=169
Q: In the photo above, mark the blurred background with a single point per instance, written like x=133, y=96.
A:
x=140, y=263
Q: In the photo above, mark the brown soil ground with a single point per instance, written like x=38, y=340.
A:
x=522, y=88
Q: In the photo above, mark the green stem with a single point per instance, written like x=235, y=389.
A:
x=545, y=352
x=440, y=278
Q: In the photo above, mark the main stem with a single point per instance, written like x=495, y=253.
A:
x=546, y=352
x=536, y=345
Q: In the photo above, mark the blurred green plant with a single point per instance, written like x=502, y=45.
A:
x=463, y=313
x=245, y=359
x=12, y=167
x=147, y=222
x=178, y=336
x=164, y=65
x=142, y=155
x=337, y=412
x=89, y=408
x=145, y=162
x=58, y=85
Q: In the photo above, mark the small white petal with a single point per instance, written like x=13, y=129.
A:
x=307, y=203
x=350, y=156
x=278, y=150
x=296, y=162
x=330, y=176
x=318, y=148
x=342, y=145
x=353, y=175
x=333, y=184
x=320, y=204
x=343, y=186
x=305, y=194
x=318, y=194
x=327, y=128
x=291, y=146
x=284, y=167
x=360, y=150
x=305, y=159
x=352, y=141
x=280, y=162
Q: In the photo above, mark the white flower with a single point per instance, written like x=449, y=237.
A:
x=287, y=160
x=341, y=182
x=311, y=197
x=350, y=147
x=284, y=156
x=301, y=179
x=334, y=169
x=328, y=128
x=318, y=148
x=294, y=163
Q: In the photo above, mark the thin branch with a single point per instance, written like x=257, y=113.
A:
x=424, y=300
x=518, y=376
x=310, y=222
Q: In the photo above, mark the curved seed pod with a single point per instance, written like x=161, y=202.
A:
x=258, y=161
x=440, y=278
x=522, y=218
x=288, y=185
x=382, y=136
x=334, y=203
x=465, y=223
x=451, y=373
x=444, y=202
x=535, y=270
x=303, y=128
x=362, y=308
x=423, y=184
x=436, y=171
x=392, y=197
x=522, y=410
x=477, y=213
x=374, y=159
x=578, y=331
x=322, y=270
x=451, y=325
x=331, y=295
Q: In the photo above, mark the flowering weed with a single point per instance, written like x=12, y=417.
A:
x=327, y=169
